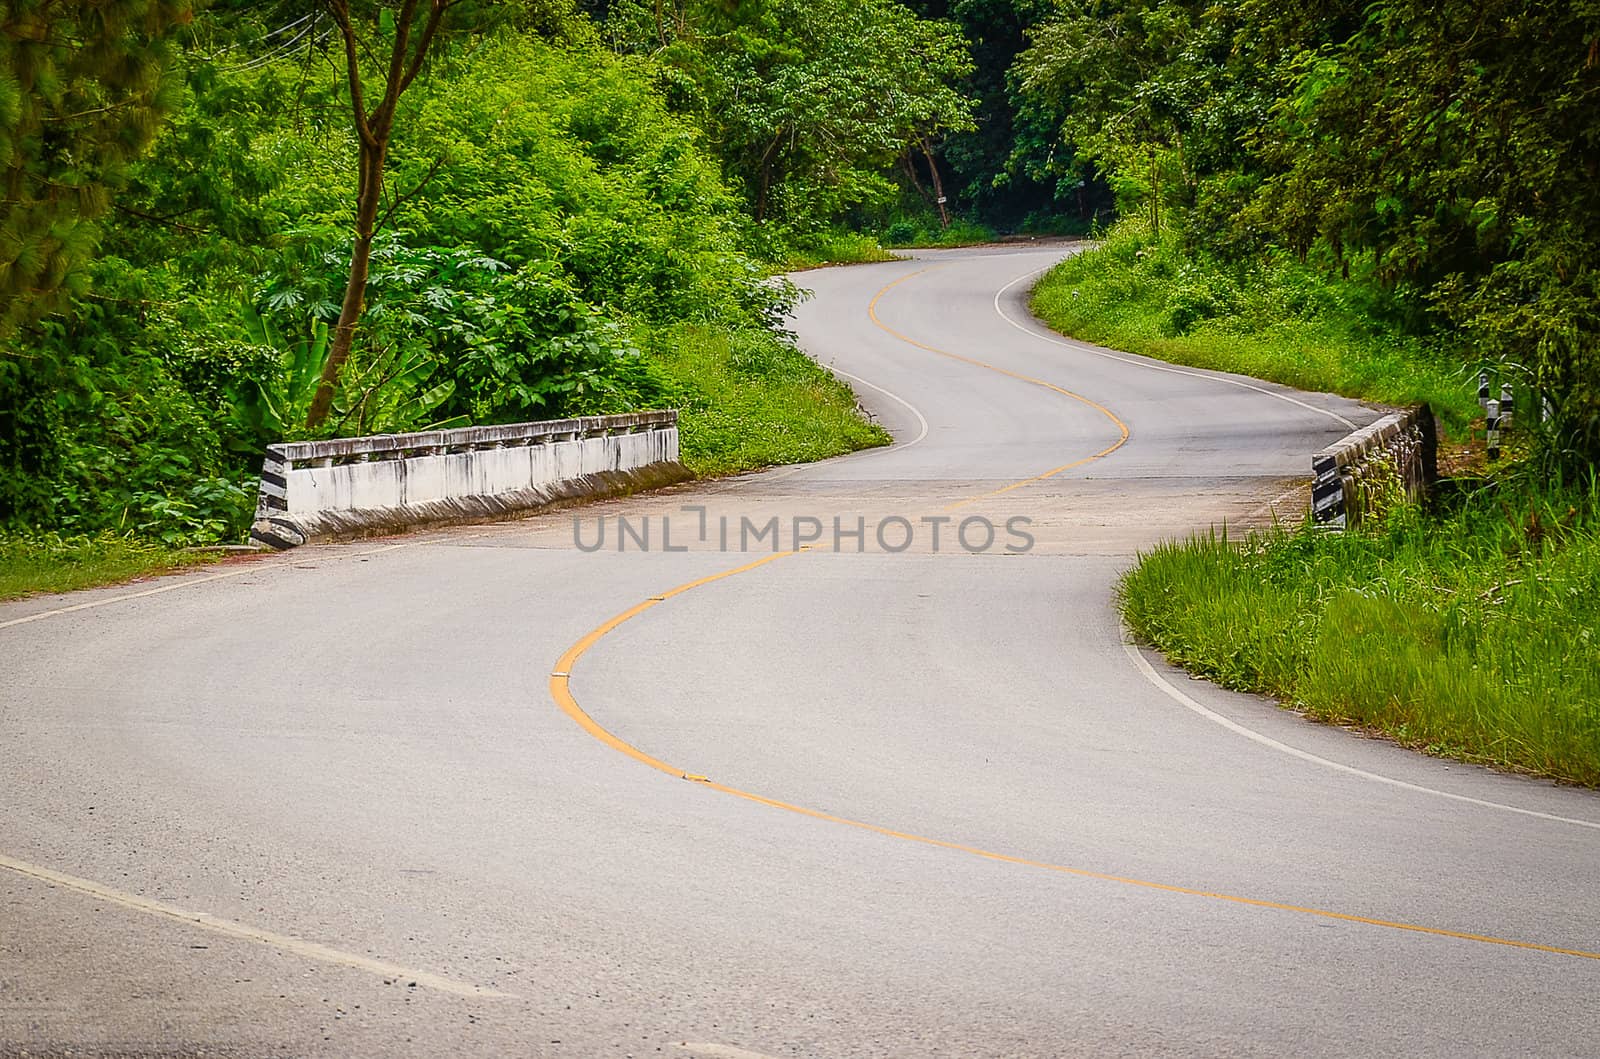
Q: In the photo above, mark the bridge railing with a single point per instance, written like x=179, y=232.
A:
x=1395, y=456
x=350, y=486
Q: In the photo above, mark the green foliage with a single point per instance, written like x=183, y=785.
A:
x=1012, y=168
x=1441, y=155
x=926, y=230
x=550, y=226
x=102, y=432
x=540, y=155
x=833, y=247
x=450, y=336
x=83, y=87
x=1470, y=633
x=1273, y=318
x=807, y=101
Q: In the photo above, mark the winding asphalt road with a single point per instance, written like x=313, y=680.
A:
x=424, y=797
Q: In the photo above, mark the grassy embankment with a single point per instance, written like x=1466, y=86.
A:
x=1470, y=631
x=49, y=562
x=747, y=400
x=1284, y=323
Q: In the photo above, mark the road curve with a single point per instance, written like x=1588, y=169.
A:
x=487, y=792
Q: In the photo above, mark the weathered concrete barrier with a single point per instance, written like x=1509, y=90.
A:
x=352, y=487
x=1355, y=476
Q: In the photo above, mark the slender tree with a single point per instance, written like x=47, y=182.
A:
x=406, y=33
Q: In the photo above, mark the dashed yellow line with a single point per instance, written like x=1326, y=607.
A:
x=561, y=692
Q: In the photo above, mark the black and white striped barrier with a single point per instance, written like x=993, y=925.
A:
x=351, y=487
x=1404, y=444
x=1327, y=492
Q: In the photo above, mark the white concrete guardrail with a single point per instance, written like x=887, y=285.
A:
x=1357, y=475
x=353, y=487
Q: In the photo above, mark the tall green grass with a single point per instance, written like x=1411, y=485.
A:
x=49, y=562
x=1473, y=634
x=1275, y=319
x=749, y=399
x=832, y=247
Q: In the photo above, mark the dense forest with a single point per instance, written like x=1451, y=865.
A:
x=232, y=223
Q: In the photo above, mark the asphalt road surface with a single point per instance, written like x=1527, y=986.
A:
x=879, y=796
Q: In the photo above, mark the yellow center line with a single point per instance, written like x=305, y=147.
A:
x=1122, y=428
x=561, y=692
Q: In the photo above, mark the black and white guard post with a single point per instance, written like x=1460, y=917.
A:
x=1327, y=493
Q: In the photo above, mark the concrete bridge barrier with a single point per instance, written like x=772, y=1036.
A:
x=353, y=487
x=1356, y=476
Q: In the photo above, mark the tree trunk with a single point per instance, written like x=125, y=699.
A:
x=910, y=161
x=938, y=184
x=1155, y=194
x=368, y=197
x=373, y=130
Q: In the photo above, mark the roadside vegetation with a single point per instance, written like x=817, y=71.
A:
x=748, y=399
x=31, y=563
x=1270, y=317
x=225, y=225
x=1377, y=200
x=1470, y=632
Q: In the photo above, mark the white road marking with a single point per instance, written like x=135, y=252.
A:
x=171, y=587
x=1188, y=703
x=1084, y=347
x=722, y=1051
x=185, y=582
x=922, y=432
x=922, y=421
x=295, y=946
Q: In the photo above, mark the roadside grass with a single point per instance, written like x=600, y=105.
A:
x=1472, y=633
x=32, y=563
x=833, y=247
x=1280, y=321
x=750, y=399
x=845, y=247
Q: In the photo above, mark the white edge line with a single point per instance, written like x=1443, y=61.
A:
x=1084, y=347
x=1162, y=684
x=721, y=1051
x=283, y=942
x=180, y=581
x=922, y=421
x=899, y=446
